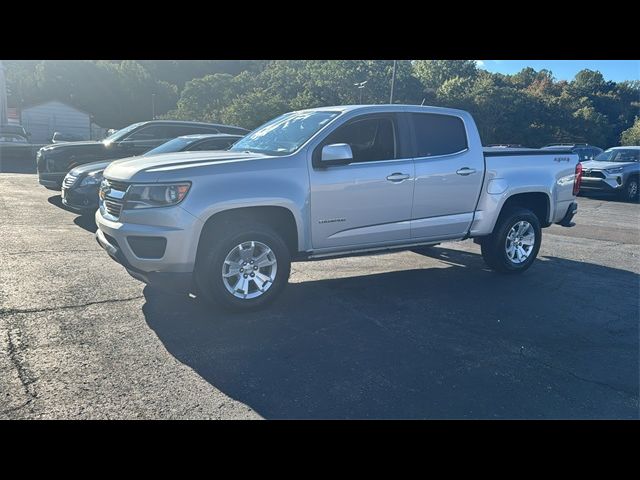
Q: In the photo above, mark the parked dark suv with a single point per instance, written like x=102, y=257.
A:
x=584, y=151
x=54, y=161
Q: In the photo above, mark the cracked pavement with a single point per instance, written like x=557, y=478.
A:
x=399, y=335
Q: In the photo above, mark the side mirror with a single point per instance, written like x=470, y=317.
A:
x=336, y=154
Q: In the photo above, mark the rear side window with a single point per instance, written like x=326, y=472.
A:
x=438, y=134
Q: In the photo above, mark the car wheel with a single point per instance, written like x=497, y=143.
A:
x=514, y=243
x=245, y=268
x=631, y=189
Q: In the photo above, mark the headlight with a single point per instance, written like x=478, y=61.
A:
x=92, y=179
x=614, y=170
x=149, y=196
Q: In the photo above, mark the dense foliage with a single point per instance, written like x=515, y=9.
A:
x=530, y=107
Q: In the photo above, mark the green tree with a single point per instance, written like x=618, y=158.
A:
x=434, y=73
x=631, y=136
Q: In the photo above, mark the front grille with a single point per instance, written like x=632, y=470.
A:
x=121, y=186
x=593, y=174
x=69, y=180
x=113, y=203
x=113, y=207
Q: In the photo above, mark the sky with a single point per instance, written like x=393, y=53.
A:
x=616, y=70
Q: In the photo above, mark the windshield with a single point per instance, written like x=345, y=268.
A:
x=11, y=138
x=621, y=155
x=15, y=129
x=284, y=134
x=175, y=145
x=120, y=133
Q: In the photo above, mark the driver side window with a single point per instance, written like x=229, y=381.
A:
x=370, y=139
x=152, y=132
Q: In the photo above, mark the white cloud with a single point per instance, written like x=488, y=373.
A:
x=480, y=63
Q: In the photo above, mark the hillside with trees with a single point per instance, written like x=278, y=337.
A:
x=531, y=107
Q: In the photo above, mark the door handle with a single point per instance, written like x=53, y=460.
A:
x=466, y=171
x=398, y=177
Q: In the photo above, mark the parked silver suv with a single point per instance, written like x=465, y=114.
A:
x=325, y=182
x=614, y=170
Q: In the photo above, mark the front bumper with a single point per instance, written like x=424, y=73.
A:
x=51, y=180
x=81, y=199
x=173, y=269
x=610, y=183
x=172, y=282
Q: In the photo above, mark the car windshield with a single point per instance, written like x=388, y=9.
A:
x=120, y=133
x=621, y=155
x=11, y=138
x=175, y=145
x=285, y=134
x=15, y=129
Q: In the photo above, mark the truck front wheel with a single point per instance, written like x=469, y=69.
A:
x=514, y=243
x=245, y=267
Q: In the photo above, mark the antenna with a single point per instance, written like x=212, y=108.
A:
x=423, y=100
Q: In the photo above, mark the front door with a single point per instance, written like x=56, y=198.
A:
x=368, y=200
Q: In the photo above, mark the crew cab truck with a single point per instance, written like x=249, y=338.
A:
x=325, y=182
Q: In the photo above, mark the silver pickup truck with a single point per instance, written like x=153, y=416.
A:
x=327, y=182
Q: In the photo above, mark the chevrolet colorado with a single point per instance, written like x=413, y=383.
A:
x=324, y=182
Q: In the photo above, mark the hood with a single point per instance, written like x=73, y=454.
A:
x=56, y=147
x=595, y=165
x=153, y=166
x=90, y=168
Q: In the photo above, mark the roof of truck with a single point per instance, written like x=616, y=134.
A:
x=386, y=107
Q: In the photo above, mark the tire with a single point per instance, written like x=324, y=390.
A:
x=631, y=189
x=497, y=249
x=223, y=245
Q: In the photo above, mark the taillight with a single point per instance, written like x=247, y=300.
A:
x=577, y=179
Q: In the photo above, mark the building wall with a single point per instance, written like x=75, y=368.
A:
x=47, y=118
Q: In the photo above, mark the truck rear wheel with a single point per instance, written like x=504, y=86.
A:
x=514, y=243
x=245, y=267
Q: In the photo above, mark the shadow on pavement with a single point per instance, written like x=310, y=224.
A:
x=453, y=341
x=86, y=221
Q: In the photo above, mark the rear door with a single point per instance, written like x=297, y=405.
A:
x=369, y=200
x=448, y=177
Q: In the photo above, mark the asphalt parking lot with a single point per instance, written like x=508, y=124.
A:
x=397, y=335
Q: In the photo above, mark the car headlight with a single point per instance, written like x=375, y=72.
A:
x=613, y=170
x=149, y=196
x=94, y=178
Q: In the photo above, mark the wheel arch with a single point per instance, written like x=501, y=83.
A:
x=282, y=219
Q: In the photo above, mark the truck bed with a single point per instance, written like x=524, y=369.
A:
x=513, y=152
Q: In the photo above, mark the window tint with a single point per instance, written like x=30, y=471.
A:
x=214, y=144
x=152, y=132
x=370, y=139
x=180, y=130
x=233, y=130
x=438, y=134
x=155, y=132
